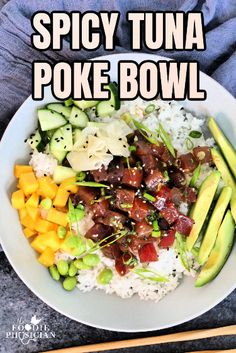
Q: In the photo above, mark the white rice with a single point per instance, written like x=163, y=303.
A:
x=43, y=164
x=178, y=123
x=169, y=265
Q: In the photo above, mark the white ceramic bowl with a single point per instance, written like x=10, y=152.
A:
x=96, y=308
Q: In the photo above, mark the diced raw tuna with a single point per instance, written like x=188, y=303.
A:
x=124, y=199
x=188, y=162
x=100, y=208
x=100, y=174
x=113, y=219
x=85, y=194
x=158, y=150
x=98, y=232
x=147, y=253
x=143, y=229
x=184, y=225
x=154, y=179
x=170, y=213
x=168, y=239
x=132, y=177
x=121, y=268
x=139, y=210
x=177, y=177
x=143, y=147
x=148, y=162
x=176, y=196
x=190, y=194
x=115, y=172
x=112, y=251
x=161, y=197
x=203, y=154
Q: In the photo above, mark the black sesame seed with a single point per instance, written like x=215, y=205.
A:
x=31, y=142
x=124, y=146
x=25, y=141
x=76, y=115
x=67, y=128
x=64, y=147
x=36, y=140
x=45, y=174
x=62, y=138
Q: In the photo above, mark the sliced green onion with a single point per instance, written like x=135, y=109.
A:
x=46, y=204
x=166, y=175
x=166, y=139
x=81, y=176
x=150, y=108
x=149, y=197
x=156, y=233
x=195, y=134
x=101, y=199
x=91, y=184
x=195, y=176
x=155, y=225
x=68, y=102
x=150, y=136
x=189, y=143
x=181, y=248
x=80, y=206
x=127, y=162
x=126, y=117
x=132, y=148
x=150, y=275
x=126, y=205
x=195, y=252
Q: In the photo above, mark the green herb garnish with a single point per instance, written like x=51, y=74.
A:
x=149, y=197
x=195, y=176
x=195, y=134
x=132, y=148
x=126, y=205
x=166, y=139
x=91, y=184
x=104, y=242
x=149, y=109
x=189, y=143
x=182, y=250
x=75, y=214
x=148, y=134
x=101, y=199
x=150, y=275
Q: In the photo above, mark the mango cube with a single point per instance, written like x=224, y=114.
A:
x=49, y=240
x=18, y=199
x=28, y=222
x=28, y=232
x=61, y=197
x=47, y=257
x=57, y=217
x=23, y=213
x=43, y=226
x=28, y=183
x=22, y=169
x=33, y=212
x=69, y=185
x=33, y=200
x=47, y=187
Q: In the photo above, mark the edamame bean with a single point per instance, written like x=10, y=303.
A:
x=105, y=276
x=54, y=272
x=61, y=232
x=69, y=283
x=80, y=265
x=46, y=204
x=62, y=267
x=72, y=270
x=81, y=176
x=91, y=260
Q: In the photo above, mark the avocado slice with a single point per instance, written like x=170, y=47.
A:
x=224, y=144
x=219, y=253
x=226, y=176
x=201, y=208
x=214, y=225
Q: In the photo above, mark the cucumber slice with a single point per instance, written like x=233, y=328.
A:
x=60, y=108
x=61, y=173
x=68, y=102
x=50, y=120
x=76, y=135
x=61, y=142
x=34, y=140
x=84, y=104
x=107, y=107
x=78, y=118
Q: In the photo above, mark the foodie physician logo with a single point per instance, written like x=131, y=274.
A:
x=30, y=331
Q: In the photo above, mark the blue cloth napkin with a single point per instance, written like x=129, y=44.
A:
x=16, y=53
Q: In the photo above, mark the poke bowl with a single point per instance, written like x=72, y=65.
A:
x=121, y=215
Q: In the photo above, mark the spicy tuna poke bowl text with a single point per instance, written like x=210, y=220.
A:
x=128, y=197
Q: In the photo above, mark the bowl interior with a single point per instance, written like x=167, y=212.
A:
x=96, y=308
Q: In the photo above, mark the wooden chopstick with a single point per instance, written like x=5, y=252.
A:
x=137, y=342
